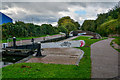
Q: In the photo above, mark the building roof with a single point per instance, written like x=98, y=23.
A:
x=4, y=18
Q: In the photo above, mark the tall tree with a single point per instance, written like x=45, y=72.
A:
x=68, y=23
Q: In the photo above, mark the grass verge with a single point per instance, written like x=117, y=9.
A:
x=117, y=41
x=40, y=70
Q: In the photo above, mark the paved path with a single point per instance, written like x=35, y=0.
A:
x=104, y=60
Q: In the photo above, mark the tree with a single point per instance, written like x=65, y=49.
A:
x=21, y=29
x=68, y=23
x=65, y=19
x=62, y=29
x=70, y=26
x=88, y=25
x=77, y=25
x=106, y=23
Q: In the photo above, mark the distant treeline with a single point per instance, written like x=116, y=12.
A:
x=21, y=29
x=106, y=23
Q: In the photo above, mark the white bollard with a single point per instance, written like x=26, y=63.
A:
x=4, y=45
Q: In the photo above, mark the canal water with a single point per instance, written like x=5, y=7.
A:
x=8, y=59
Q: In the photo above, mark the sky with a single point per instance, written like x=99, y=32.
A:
x=50, y=12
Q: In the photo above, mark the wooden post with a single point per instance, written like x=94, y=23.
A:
x=14, y=42
x=32, y=40
x=39, y=50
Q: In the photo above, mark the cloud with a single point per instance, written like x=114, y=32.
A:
x=50, y=12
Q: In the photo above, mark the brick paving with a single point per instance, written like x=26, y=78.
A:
x=58, y=56
x=104, y=60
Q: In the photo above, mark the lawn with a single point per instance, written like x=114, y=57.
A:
x=117, y=41
x=40, y=70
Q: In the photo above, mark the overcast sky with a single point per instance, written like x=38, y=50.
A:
x=49, y=12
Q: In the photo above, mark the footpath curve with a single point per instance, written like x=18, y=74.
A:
x=104, y=60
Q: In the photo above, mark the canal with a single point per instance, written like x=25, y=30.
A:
x=7, y=59
x=11, y=59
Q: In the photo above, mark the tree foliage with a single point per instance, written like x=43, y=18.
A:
x=68, y=23
x=88, y=25
x=106, y=23
x=21, y=29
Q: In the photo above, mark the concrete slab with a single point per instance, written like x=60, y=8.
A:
x=58, y=56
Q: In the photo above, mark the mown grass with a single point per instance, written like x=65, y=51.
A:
x=117, y=41
x=40, y=70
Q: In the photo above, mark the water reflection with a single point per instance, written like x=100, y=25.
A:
x=5, y=64
x=10, y=59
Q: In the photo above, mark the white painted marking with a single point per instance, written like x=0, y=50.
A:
x=77, y=43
